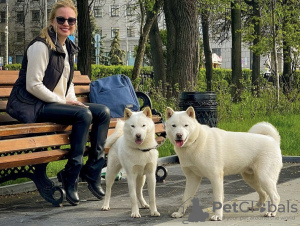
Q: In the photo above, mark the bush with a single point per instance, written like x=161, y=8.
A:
x=100, y=71
x=13, y=67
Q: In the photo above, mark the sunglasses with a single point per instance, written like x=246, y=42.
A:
x=61, y=20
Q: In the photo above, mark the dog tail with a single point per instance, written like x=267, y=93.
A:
x=117, y=133
x=265, y=128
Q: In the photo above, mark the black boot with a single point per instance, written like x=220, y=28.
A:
x=70, y=188
x=94, y=186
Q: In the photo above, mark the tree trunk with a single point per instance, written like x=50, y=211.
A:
x=182, y=44
x=84, y=38
x=158, y=60
x=207, y=50
x=287, y=67
x=236, y=50
x=275, y=50
x=256, y=56
x=287, y=58
x=151, y=16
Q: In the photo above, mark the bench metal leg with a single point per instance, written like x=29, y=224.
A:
x=161, y=174
x=37, y=173
x=46, y=187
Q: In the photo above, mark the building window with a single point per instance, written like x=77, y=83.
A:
x=98, y=12
x=19, y=59
x=130, y=32
x=20, y=36
x=20, y=17
x=2, y=17
x=2, y=37
x=114, y=31
x=2, y=1
x=35, y=34
x=129, y=10
x=35, y=15
x=114, y=10
x=216, y=51
x=20, y=0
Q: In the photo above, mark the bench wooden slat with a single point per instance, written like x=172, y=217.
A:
x=9, y=72
x=5, y=92
x=9, y=78
x=28, y=143
x=83, y=99
x=32, y=128
x=31, y=158
x=81, y=80
x=159, y=128
x=79, y=90
x=40, y=157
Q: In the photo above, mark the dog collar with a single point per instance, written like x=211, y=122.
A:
x=146, y=150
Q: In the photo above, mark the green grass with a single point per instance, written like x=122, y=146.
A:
x=287, y=125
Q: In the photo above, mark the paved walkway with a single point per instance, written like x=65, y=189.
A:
x=28, y=208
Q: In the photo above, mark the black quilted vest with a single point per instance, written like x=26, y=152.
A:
x=24, y=106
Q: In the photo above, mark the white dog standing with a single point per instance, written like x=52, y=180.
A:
x=214, y=153
x=133, y=148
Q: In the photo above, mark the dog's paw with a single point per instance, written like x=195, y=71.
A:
x=155, y=214
x=270, y=214
x=254, y=208
x=177, y=215
x=215, y=218
x=145, y=206
x=105, y=208
x=135, y=215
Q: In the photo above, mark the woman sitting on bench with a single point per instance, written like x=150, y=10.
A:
x=44, y=92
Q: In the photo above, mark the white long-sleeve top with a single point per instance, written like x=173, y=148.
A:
x=38, y=59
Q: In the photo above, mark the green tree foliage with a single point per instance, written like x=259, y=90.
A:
x=116, y=54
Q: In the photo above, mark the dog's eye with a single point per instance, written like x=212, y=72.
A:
x=186, y=125
x=132, y=126
x=173, y=125
x=143, y=125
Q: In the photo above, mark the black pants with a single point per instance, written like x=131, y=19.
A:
x=81, y=118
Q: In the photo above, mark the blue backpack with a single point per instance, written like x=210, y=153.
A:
x=116, y=92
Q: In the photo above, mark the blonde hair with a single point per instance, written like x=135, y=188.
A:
x=56, y=6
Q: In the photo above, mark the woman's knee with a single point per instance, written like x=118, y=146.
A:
x=84, y=115
x=106, y=112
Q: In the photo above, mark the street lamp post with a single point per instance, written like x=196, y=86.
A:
x=46, y=13
x=6, y=32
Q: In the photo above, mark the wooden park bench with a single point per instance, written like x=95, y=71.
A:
x=26, y=149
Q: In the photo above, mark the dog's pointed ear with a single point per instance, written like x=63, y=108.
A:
x=147, y=112
x=169, y=112
x=127, y=113
x=191, y=112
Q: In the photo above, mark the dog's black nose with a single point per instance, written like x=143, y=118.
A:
x=179, y=135
x=138, y=135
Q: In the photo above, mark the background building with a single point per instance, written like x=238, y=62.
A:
x=26, y=18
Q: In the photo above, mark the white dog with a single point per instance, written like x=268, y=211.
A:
x=214, y=153
x=133, y=148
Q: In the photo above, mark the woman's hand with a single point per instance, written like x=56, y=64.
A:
x=78, y=103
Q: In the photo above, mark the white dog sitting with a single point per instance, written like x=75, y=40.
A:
x=214, y=153
x=133, y=148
